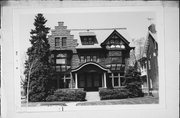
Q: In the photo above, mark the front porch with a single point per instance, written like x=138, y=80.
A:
x=90, y=76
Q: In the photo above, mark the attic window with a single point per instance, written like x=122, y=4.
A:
x=88, y=40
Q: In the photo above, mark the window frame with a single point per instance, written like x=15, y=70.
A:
x=57, y=41
x=64, y=41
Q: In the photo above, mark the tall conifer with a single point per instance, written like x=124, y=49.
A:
x=37, y=65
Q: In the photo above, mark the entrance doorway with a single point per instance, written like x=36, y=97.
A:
x=90, y=81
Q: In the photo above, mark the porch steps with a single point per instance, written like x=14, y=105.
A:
x=92, y=96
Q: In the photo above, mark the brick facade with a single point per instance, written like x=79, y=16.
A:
x=106, y=65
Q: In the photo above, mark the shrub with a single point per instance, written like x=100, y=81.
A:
x=134, y=90
x=115, y=93
x=51, y=98
x=67, y=95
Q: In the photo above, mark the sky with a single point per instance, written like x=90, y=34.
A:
x=135, y=22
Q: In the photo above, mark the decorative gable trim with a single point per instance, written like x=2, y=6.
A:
x=118, y=34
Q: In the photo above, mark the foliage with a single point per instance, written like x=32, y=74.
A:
x=67, y=95
x=115, y=93
x=133, y=82
x=37, y=66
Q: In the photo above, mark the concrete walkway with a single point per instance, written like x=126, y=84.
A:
x=92, y=96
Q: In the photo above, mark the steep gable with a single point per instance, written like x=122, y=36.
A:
x=116, y=39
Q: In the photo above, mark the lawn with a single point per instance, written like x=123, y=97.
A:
x=140, y=100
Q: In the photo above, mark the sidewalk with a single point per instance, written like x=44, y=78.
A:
x=92, y=96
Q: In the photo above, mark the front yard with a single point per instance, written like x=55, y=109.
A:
x=139, y=100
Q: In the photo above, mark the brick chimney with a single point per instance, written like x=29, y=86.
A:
x=152, y=28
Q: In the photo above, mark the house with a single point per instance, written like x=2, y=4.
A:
x=87, y=60
x=149, y=62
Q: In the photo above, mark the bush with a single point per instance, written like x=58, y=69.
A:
x=135, y=90
x=51, y=98
x=67, y=95
x=115, y=93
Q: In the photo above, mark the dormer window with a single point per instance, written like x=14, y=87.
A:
x=88, y=38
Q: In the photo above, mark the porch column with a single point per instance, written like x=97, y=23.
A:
x=105, y=80
x=64, y=81
x=102, y=80
x=119, y=79
x=76, y=82
x=112, y=77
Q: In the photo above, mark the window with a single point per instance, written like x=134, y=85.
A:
x=88, y=40
x=88, y=58
x=94, y=58
x=57, y=41
x=122, y=81
x=116, y=59
x=82, y=59
x=116, y=81
x=58, y=69
x=64, y=41
x=60, y=61
x=115, y=77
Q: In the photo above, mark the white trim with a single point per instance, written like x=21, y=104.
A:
x=88, y=64
x=76, y=84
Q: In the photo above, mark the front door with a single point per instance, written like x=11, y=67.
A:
x=90, y=81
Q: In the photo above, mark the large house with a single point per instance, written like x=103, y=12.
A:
x=86, y=61
x=149, y=62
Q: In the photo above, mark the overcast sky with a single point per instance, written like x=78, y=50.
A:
x=135, y=22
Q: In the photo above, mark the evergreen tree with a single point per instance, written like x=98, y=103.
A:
x=37, y=66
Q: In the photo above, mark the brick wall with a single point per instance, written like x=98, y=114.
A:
x=62, y=31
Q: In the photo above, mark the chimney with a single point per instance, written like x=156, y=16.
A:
x=60, y=23
x=152, y=28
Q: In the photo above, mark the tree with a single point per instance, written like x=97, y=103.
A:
x=37, y=66
x=133, y=82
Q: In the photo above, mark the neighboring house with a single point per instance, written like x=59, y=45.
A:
x=149, y=62
x=89, y=61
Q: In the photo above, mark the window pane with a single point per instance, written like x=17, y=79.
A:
x=122, y=79
x=58, y=69
x=113, y=66
x=116, y=59
x=63, y=68
x=64, y=41
x=82, y=58
x=90, y=40
x=57, y=41
x=60, y=61
x=61, y=55
x=94, y=58
x=115, y=74
x=88, y=58
x=118, y=67
x=116, y=82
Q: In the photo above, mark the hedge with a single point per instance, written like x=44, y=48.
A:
x=67, y=95
x=113, y=93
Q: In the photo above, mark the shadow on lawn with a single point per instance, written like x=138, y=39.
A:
x=140, y=100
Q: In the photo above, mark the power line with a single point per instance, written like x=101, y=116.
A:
x=98, y=29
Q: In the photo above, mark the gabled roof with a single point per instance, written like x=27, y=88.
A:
x=87, y=34
x=118, y=34
x=101, y=36
x=154, y=38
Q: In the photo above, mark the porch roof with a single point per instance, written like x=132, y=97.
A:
x=90, y=63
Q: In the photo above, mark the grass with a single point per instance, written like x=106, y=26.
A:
x=140, y=100
x=33, y=104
